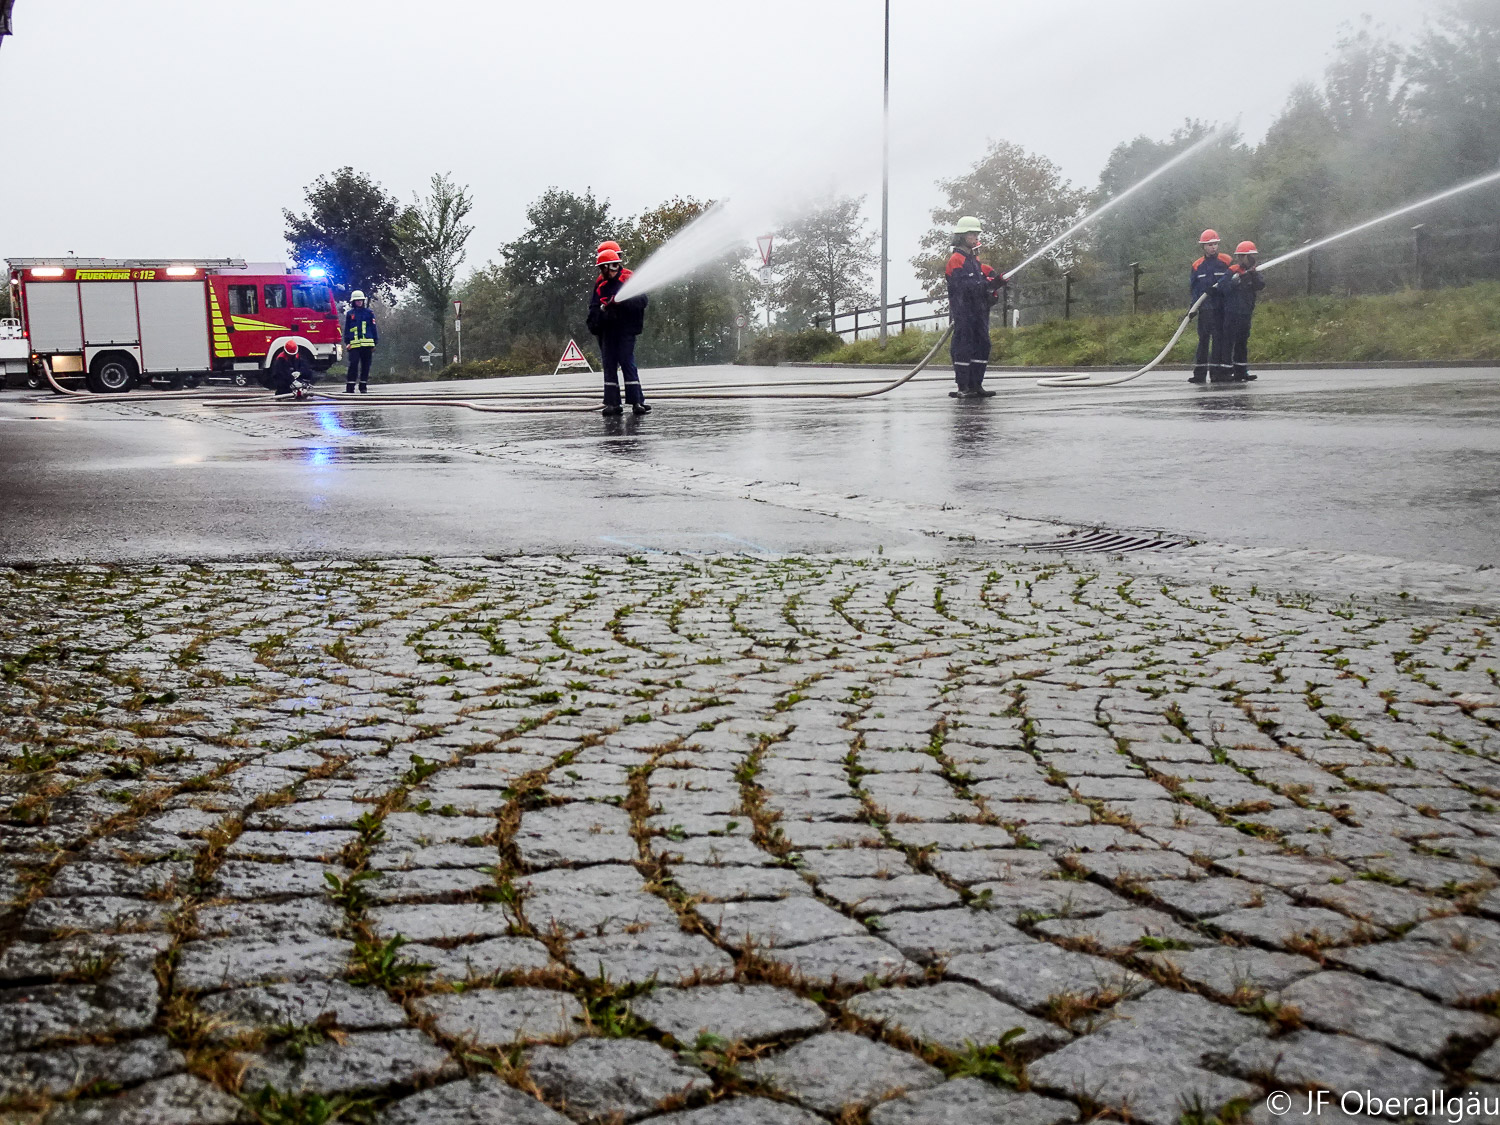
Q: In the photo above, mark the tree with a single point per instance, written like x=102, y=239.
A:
x=1022, y=200
x=1172, y=202
x=351, y=231
x=692, y=320
x=824, y=260
x=434, y=232
x=487, y=329
x=1455, y=78
x=549, y=269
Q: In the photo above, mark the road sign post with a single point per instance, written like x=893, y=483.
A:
x=764, y=244
x=458, y=327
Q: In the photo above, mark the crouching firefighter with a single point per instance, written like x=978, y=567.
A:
x=1244, y=284
x=360, y=339
x=291, y=372
x=973, y=289
x=1210, y=274
x=617, y=324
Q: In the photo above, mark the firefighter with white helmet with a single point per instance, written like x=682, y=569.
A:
x=360, y=339
x=973, y=289
x=1244, y=284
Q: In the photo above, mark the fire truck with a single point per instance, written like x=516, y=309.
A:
x=114, y=323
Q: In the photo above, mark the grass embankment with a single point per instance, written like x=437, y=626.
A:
x=1433, y=324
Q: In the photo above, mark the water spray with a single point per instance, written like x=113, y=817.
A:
x=1086, y=379
x=1092, y=216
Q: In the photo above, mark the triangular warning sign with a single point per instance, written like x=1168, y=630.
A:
x=572, y=357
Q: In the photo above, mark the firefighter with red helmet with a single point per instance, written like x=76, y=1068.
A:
x=1244, y=284
x=1209, y=276
x=973, y=289
x=291, y=371
x=617, y=324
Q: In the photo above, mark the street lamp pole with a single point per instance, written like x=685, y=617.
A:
x=885, y=184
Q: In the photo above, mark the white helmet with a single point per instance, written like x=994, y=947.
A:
x=357, y=295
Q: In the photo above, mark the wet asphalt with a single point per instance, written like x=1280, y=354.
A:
x=1391, y=462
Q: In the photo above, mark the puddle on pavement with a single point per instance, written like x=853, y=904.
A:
x=335, y=455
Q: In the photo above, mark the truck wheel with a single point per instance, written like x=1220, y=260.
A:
x=112, y=374
x=35, y=380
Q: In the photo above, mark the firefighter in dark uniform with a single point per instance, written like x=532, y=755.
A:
x=1244, y=284
x=360, y=339
x=973, y=289
x=617, y=324
x=1206, y=276
x=291, y=371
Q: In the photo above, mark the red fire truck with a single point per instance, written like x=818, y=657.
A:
x=112, y=323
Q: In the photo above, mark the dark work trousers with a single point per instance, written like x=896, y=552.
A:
x=1210, y=357
x=359, y=368
x=618, y=354
x=970, y=349
x=1237, y=333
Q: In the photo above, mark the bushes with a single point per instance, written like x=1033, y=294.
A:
x=798, y=347
x=526, y=357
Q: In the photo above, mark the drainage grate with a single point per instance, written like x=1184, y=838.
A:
x=1105, y=542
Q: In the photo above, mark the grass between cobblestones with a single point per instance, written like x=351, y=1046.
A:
x=843, y=840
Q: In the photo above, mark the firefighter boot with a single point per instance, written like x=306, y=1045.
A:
x=977, y=370
x=961, y=376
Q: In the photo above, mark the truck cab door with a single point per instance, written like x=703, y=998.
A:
x=252, y=326
x=314, y=313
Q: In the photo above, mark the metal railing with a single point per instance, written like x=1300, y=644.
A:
x=899, y=316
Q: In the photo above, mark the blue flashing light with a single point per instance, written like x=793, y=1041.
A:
x=328, y=422
x=317, y=271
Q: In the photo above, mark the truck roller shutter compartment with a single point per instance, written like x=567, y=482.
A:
x=174, y=326
x=108, y=313
x=52, y=316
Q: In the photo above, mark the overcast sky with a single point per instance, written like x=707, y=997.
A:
x=161, y=128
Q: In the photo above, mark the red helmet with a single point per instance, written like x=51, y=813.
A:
x=1246, y=247
x=608, y=258
x=610, y=245
x=1210, y=235
x=290, y=347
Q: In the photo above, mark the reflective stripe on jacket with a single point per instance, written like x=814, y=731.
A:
x=359, y=329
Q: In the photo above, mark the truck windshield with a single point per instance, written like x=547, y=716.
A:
x=310, y=297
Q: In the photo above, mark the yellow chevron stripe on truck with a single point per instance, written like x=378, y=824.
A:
x=222, y=347
x=245, y=324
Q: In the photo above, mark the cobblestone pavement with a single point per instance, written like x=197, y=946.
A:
x=725, y=841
